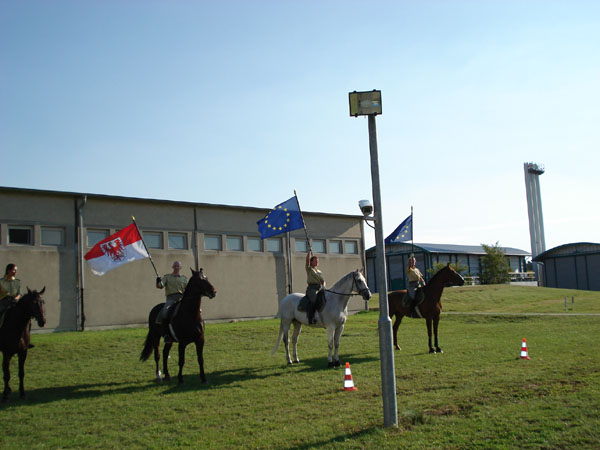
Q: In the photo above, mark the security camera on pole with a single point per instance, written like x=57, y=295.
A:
x=369, y=104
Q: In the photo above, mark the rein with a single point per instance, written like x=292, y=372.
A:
x=354, y=283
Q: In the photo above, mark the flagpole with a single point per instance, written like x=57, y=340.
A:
x=149, y=256
x=412, y=236
x=303, y=223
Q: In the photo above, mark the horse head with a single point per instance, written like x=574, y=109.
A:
x=34, y=304
x=201, y=286
x=452, y=277
x=361, y=285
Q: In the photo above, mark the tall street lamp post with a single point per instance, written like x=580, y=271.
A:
x=369, y=104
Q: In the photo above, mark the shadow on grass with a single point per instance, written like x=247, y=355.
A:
x=75, y=392
x=216, y=379
x=365, y=436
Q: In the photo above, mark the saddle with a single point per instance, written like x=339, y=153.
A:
x=167, y=329
x=6, y=305
x=319, y=304
x=407, y=302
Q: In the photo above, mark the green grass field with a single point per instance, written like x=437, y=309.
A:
x=88, y=390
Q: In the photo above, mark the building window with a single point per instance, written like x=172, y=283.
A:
x=178, y=241
x=234, y=243
x=20, y=235
x=53, y=236
x=335, y=247
x=153, y=239
x=318, y=245
x=351, y=247
x=212, y=242
x=301, y=246
x=95, y=236
x=254, y=244
x=274, y=245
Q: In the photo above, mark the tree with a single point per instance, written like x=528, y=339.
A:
x=458, y=266
x=494, y=266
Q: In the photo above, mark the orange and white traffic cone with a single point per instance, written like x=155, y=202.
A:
x=524, y=350
x=348, y=383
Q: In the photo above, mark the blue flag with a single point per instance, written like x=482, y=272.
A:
x=402, y=233
x=284, y=217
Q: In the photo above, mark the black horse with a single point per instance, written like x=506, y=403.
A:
x=186, y=324
x=14, y=335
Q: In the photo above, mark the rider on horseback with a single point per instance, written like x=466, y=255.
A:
x=174, y=285
x=415, y=281
x=316, y=281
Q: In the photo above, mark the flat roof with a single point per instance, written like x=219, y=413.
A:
x=448, y=248
x=179, y=202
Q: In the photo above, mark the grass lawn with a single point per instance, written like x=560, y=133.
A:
x=89, y=389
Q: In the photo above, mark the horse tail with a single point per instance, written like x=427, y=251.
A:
x=278, y=339
x=151, y=336
x=148, y=347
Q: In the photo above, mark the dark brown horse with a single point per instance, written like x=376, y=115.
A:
x=187, y=326
x=14, y=335
x=430, y=308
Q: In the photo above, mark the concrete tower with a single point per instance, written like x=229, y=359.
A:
x=534, y=207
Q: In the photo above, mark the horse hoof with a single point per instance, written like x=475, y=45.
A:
x=337, y=363
x=397, y=347
x=296, y=361
x=330, y=364
x=438, y=350
x=431, y=350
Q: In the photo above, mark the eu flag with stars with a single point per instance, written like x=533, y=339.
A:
x=284, y=217
x=402, y=233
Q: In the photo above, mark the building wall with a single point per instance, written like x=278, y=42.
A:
x=249, y=283
x=572, y=266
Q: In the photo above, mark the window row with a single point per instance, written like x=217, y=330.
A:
x=23, y=235
x=55, y=236
x=255, y=244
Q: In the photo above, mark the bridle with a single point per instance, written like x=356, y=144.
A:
x=354, y=283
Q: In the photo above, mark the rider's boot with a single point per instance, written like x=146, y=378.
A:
x=311, y=314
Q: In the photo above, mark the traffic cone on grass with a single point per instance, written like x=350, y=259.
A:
x=524, y=350
x=348, y=383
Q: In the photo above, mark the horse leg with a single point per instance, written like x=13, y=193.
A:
x=6, y=370
x=431, y=349
x=199, y=353
x=436, y=321
x=336, y=341
x=22, y=358
x=156, y=349
x=330, y=337
x=295, y=335
x=286, y=340
x=395, y=329
x=181, y=362
x=166, y=350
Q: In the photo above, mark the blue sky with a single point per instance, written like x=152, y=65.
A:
x=241, y=102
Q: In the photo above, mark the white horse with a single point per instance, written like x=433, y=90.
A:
x=333, y=316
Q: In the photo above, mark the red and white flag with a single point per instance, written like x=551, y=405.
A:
x=120, y=248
